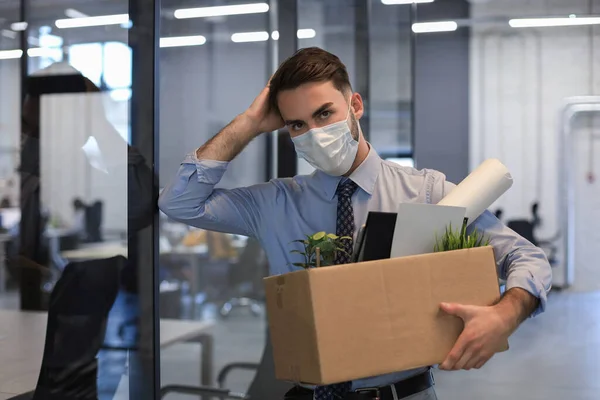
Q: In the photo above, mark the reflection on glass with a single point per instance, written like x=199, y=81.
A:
x=66, y=216
x=10, y=54
x=72, y=242
x=210, y=278
x=87, y=58
x=117, y=65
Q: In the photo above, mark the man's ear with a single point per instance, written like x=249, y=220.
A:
x=357, y=105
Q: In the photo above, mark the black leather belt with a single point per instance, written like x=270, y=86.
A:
x=402, y=389
x=405, y=388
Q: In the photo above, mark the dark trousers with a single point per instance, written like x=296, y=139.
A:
x=298, y=393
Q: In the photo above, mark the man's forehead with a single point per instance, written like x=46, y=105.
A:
x=312, y=89
x=306, y=99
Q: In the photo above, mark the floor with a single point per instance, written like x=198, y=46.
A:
x=554, y=356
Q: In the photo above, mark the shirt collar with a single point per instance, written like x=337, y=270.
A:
x=364, y=176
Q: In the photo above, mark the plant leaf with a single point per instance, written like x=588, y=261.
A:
x=318, y=235
x=455, y=239
x=327, y=247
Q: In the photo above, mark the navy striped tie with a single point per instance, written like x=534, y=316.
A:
x=344, y=227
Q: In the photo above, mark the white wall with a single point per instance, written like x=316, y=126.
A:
x=519, y=80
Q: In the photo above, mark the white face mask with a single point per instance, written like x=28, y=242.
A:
x=332, y=149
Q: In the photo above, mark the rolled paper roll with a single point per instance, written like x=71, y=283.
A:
x=480, y=189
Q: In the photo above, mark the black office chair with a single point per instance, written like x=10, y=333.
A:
x=263, y=387
x=93, y=222
x=245, y=280
x=526, y=228
x=77, y=317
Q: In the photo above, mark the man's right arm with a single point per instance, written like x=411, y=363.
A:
x=191, y=197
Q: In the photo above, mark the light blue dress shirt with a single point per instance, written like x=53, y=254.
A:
x=283, y=210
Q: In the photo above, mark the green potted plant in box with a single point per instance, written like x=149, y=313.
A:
x=458, y=239
x=320, y=249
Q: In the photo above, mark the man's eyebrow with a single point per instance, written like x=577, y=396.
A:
x=321, y=109
x=293, y=122
x=314, y=114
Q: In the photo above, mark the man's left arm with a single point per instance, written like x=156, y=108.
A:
x=528, y=276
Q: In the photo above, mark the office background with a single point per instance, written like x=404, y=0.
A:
x=169, y=80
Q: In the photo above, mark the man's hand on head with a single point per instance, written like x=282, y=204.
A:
x=486, y=328
x=231, y=140
x=261, y=115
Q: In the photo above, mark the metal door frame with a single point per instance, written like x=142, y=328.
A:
x=573, y=107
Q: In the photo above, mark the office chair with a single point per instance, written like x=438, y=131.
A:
x=93, y=222
x=77, y=317
x=245, y=280
x=264, y=385
x=526, y=227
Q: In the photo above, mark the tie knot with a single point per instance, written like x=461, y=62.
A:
x=346, y=189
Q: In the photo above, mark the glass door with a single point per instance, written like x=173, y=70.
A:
x=214, y=59
x=78, y=200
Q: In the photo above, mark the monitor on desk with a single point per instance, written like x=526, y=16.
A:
x=9, y=217
x=375, y=238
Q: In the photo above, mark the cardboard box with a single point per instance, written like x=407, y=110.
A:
x=346, y=322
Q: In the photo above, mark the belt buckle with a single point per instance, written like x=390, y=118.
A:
x=373, y=391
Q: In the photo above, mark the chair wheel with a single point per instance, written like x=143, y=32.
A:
x=256, y=310
x=225, y=310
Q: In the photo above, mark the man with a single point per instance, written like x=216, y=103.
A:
x=311, y=95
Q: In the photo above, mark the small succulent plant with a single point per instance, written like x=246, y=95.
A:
x=320, y=249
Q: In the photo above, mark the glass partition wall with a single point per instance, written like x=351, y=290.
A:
x=101, y=103
x=78, y=200
x=214, y=59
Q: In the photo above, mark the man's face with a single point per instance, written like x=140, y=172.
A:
x=318, y=104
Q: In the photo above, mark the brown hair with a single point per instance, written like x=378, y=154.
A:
x=307, y=65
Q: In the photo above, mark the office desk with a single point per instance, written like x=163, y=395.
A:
x=22, y=336
x=95, y=251
x=102, y=250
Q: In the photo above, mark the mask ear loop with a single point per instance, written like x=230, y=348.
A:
x=356, y=120
x=349, y=108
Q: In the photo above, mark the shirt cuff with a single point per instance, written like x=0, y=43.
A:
x=208, y=171
x=525, y=280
